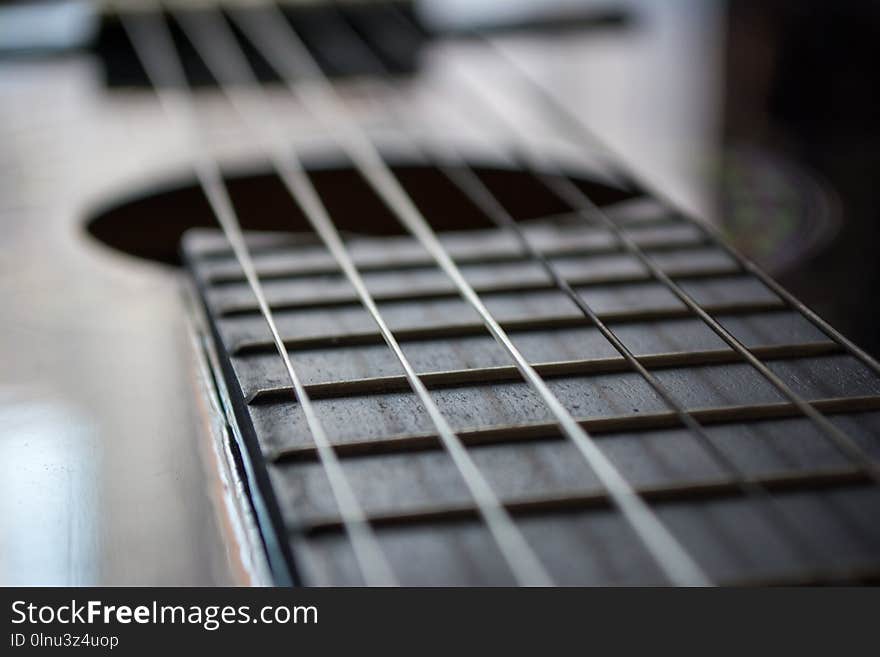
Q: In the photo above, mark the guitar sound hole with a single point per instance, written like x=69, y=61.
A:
x=150, y=226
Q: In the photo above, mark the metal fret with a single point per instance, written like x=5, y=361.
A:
x=687, y=492
x=489, y=375
x=405, y=296
x=601, y=427
x=247, y=347
x=294, y=271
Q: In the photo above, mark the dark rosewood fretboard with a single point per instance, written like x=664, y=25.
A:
x=414, y=497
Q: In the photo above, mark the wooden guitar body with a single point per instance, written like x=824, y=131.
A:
x=150, y=434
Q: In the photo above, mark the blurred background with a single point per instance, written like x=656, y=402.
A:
x=799, y=128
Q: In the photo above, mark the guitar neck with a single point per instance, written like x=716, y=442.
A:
x=407, y=485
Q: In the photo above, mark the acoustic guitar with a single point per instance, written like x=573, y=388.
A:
x=282, y=307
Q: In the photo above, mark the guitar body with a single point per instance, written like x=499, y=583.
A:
x=120, y=465
x=105, y=481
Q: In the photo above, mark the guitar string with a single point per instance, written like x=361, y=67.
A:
x=152, y=41
x=556, y=181
x=278, y=42
x=216, y=44
x=449, y=161
x=573, y=125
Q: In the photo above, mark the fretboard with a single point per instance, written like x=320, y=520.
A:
x=406, y=483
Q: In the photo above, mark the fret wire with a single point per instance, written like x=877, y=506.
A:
x=553, y=322
x=589, y=139
x=559, y=368
x=699, y=489
x=601, y=426
x=609, y=280
x=456, y=168
x=152, y=41
x=560, y=251
x=567, y=190
x=282, y=47
x=213, y=38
